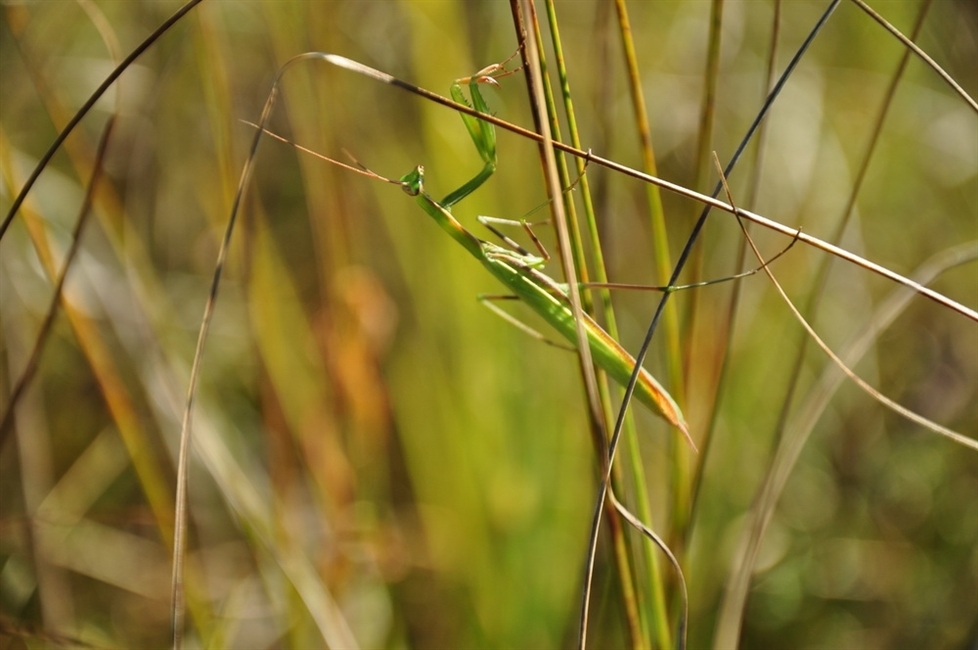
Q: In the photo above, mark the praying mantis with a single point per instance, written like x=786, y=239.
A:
x=512, y=265
x=520, y=271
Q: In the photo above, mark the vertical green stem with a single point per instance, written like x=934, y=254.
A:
x=726, y=330
x=600, y=272
x=680, y=471
x=663, y=261
x=633, y=613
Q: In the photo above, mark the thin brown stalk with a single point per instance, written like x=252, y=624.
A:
x=704, y=144
x=177, y=606
x=726, y=330
x=913, y=47
x=33, y=360
x=663, y=260
x=84, y=212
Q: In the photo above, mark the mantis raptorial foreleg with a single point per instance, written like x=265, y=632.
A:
x=482, y=133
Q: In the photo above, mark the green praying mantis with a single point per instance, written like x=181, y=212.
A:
x=520, y=271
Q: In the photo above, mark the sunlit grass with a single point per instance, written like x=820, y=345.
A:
x=379, y=459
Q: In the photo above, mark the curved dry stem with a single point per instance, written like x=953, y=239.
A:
x=735, y=598
x=661, y=544
x=605, y=491
x=180, y=525
x=728, y=624
x=920, y=53
x=47, y=324
x=86, y=107
x=84, y=212
x=875, y=394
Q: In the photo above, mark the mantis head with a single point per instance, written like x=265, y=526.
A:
x=413, y=182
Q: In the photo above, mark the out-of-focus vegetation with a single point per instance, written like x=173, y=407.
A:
x=379, y=459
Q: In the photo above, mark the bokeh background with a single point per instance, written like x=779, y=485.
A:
x=378, y=458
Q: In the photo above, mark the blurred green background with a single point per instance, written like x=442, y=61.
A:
x=378, y=458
